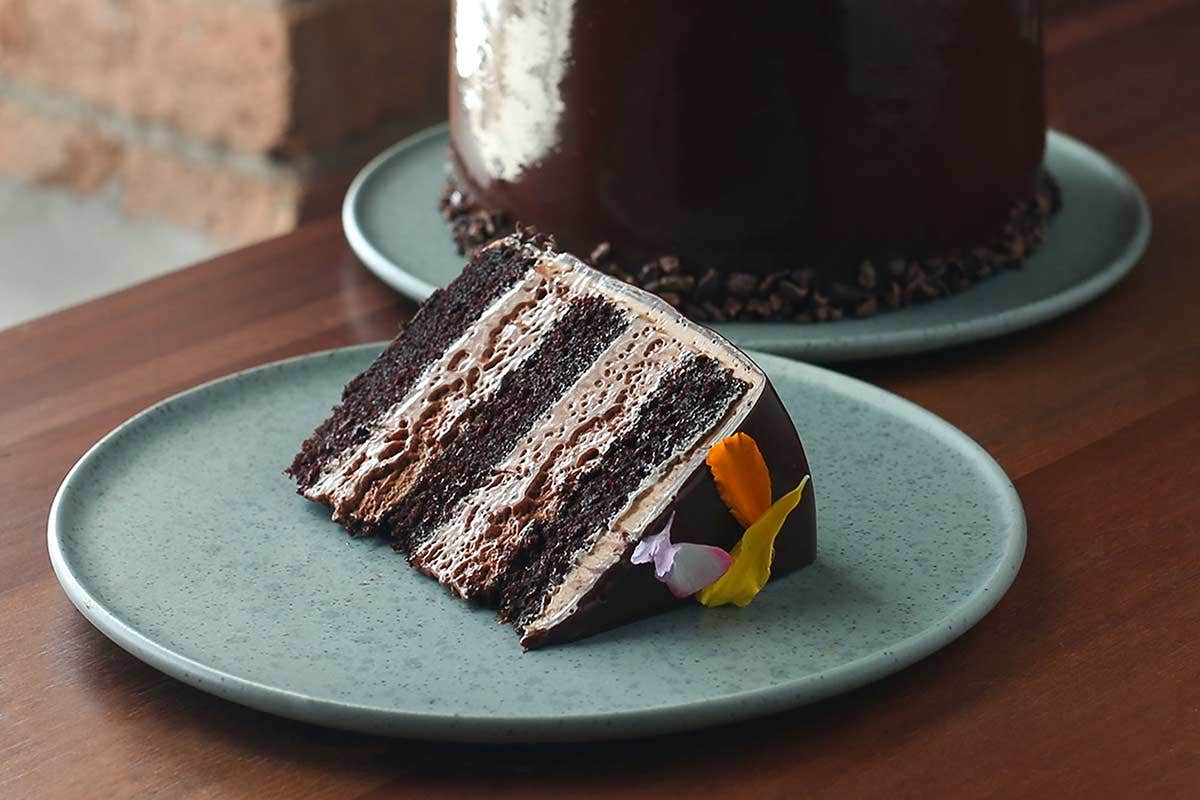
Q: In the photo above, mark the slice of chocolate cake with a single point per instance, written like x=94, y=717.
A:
x=532, y=424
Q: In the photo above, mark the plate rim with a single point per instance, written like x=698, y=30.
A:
x=632, y=723
x=851, y=347
x=380, y=265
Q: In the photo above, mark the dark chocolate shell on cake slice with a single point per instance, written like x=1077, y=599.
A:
x=535, y=421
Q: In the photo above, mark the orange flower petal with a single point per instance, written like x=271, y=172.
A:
x=741, y=476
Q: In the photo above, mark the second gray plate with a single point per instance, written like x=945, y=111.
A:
x=391, y=220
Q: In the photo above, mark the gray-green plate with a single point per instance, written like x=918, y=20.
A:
x=180, y=539
x=392, y=223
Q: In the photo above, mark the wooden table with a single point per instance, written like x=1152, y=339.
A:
x=1085, y=680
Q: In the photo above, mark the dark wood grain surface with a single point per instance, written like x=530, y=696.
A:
x=1084, y=681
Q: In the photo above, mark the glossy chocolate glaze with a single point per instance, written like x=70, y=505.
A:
x=743, y=136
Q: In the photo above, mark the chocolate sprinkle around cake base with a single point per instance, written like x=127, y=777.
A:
x=802, y=294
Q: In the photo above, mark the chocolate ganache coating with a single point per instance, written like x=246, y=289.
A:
x=749, y=136
x=631, y=591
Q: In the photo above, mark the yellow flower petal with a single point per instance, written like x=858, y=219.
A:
x=752, y=556
x=741, y=476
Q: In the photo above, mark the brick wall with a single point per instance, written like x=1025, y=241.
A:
x=241, y=117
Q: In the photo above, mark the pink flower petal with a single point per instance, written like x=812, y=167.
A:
x=694, y=567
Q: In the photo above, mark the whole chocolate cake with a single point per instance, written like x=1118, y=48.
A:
x=756, y=160
x=570, y=449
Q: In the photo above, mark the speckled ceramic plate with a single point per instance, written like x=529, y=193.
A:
x=391, y=220
x=178, y=536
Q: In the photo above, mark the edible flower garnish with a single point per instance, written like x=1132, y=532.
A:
x=685, y=568
x=712, y=575
x=752, y=556
x=740, y=472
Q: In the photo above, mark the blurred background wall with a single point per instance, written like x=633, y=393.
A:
x=237, y=118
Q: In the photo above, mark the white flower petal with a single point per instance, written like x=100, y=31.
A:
x=695, y=566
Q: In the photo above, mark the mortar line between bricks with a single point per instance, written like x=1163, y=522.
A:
x=164, y=138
